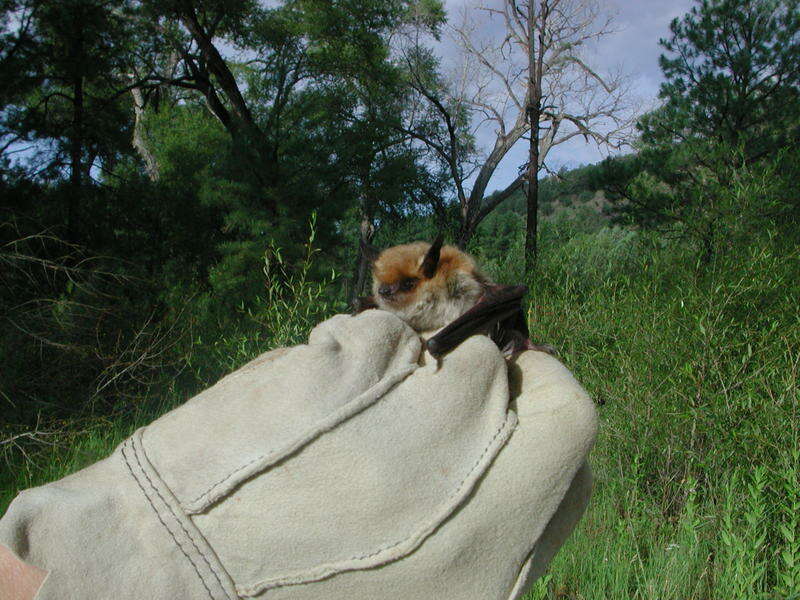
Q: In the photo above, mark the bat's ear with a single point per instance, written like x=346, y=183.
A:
x=369, y=251
x=431, y=261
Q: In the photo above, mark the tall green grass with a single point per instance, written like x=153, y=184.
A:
x=697, y=473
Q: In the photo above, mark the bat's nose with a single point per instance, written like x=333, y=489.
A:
x=385, y=290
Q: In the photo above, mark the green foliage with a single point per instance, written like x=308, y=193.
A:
x=293, y=297
x=695, y=373
x=731, y=75
x=141, y=261
x=711, y=204
x=77, y=337
x=565, y=189
x=696, y=466
x=294, y=302
x=64, y=68
x=718, y=159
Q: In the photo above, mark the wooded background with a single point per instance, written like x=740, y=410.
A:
x=187, y=183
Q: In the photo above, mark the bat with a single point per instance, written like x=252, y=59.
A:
x=431, y=286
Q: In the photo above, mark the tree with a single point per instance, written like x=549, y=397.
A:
x=387, y=175
x=492, y=88
x=291, y=91
x=533, y=111
x=294, y=42
x=16, y=45
x=229, y=159
x=71, y=109
x=730, y=114
x=732, y=77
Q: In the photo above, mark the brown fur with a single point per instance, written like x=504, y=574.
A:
x=405, y=261
x=455, y=286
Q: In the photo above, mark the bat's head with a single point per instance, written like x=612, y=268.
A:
x=426, y=285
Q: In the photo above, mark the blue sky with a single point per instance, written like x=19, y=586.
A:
x=633, y=48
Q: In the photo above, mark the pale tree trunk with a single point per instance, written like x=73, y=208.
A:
x=478, y=206
x=139, y=141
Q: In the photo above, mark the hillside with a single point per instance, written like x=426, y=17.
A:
x=562, y=192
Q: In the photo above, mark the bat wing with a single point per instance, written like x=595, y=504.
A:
x=498, y=312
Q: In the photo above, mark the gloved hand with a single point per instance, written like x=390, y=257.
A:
x=356, y=466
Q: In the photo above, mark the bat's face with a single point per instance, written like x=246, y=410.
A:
x=426, y=285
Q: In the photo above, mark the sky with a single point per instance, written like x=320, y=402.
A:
x=633, y=49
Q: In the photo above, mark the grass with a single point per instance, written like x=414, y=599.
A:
x=697, y=466
x=697, y=472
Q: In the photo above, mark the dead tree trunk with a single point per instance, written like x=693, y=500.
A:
x=363, y=258
x=534, y=110
x=561, y=98
x=367, y=232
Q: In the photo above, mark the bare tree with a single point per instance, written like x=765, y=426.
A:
x=521, y=64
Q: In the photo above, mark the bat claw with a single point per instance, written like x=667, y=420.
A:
x=541, y=348
x=517, y=346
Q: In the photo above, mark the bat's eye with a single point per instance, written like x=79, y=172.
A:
x=408, y=284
